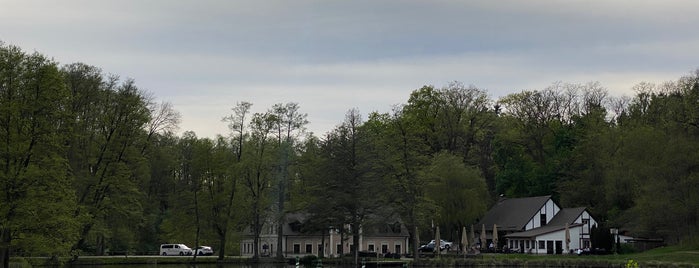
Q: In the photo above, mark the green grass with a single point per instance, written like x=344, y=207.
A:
x=675, y=256
x=671, y=256
x=679, y=255
x=100, y=261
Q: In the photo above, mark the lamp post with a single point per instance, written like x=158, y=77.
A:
x=615, y=234
x=330, y=241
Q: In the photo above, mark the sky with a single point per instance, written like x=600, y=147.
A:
x=329, y=56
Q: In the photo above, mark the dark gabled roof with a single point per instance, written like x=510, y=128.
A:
x=566, y=215
x=294, y=223
x=297, y=224
x=512, y=214
x=540, y=231
x=558, y=223
x=395, y=228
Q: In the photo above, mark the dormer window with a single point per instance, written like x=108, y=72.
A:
x=542, y=218
x=396, y=228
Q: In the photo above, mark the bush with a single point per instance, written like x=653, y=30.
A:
x=19, y=263
x=627, y=249
x=308, y=259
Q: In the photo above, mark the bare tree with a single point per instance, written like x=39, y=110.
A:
x=288, y=122
x=164, y=118
x=236, y=123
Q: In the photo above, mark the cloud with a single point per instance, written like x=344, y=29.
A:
x=330, y=56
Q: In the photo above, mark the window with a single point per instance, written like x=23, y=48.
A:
x=309, y=248
x=371, y=247
x=339, y=249
x=542, y=244
x=527, y=244
x=396, y=228
x=320, y=248
x=585, y=227
x=398, y=249
x=384, y=249
x=542, y=217
x=297, y=248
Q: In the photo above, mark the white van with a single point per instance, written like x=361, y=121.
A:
x=175, y=249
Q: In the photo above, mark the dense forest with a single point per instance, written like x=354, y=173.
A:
x=90, y=163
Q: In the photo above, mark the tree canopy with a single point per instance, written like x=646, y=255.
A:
x=97, y=156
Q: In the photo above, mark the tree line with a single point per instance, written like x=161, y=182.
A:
x=91, y=164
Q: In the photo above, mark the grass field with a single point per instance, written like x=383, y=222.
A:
x=675, y=256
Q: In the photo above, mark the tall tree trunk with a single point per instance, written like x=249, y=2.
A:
x=416, y=242
x=222, y=245
x=280, y=222
x=100, y=244
x=321, y=253
x=355, y=241
x=280, y=208
x=5, y=242
x=223, y=232
x=198, y=227
x=256, y=229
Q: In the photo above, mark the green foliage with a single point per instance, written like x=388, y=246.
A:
x=308, y=260
x=34, y=175
x=459, y=191
x=106, y=156
x=93, y=157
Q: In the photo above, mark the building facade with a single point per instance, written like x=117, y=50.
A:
x=381, y=238
x=538, y=225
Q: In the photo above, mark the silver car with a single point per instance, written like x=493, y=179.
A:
x=204, y=250
x=429, y=247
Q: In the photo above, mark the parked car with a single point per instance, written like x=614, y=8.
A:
x=175, y=249
x=390, y=255
x=368, y=254
x=204, y=250
x=429, y=247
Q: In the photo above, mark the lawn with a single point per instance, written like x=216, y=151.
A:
x=675, y=256
x=671, y=256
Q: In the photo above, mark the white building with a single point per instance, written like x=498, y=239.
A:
x=380, y=238
x=538, y=225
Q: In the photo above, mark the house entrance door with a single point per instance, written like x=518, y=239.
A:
x=559, y=247
x=549, y=247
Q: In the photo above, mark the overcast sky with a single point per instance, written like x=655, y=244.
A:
x=332, y=56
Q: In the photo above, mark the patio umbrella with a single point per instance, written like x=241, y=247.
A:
x=473, y=237
x=437, y=240
x=464, y=240
x=495, y=236
x=567, y=238
x=483, y=238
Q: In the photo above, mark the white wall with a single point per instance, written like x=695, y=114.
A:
x=586, y=228
x=561, y=235
x=575, y=241
x=549, y=208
